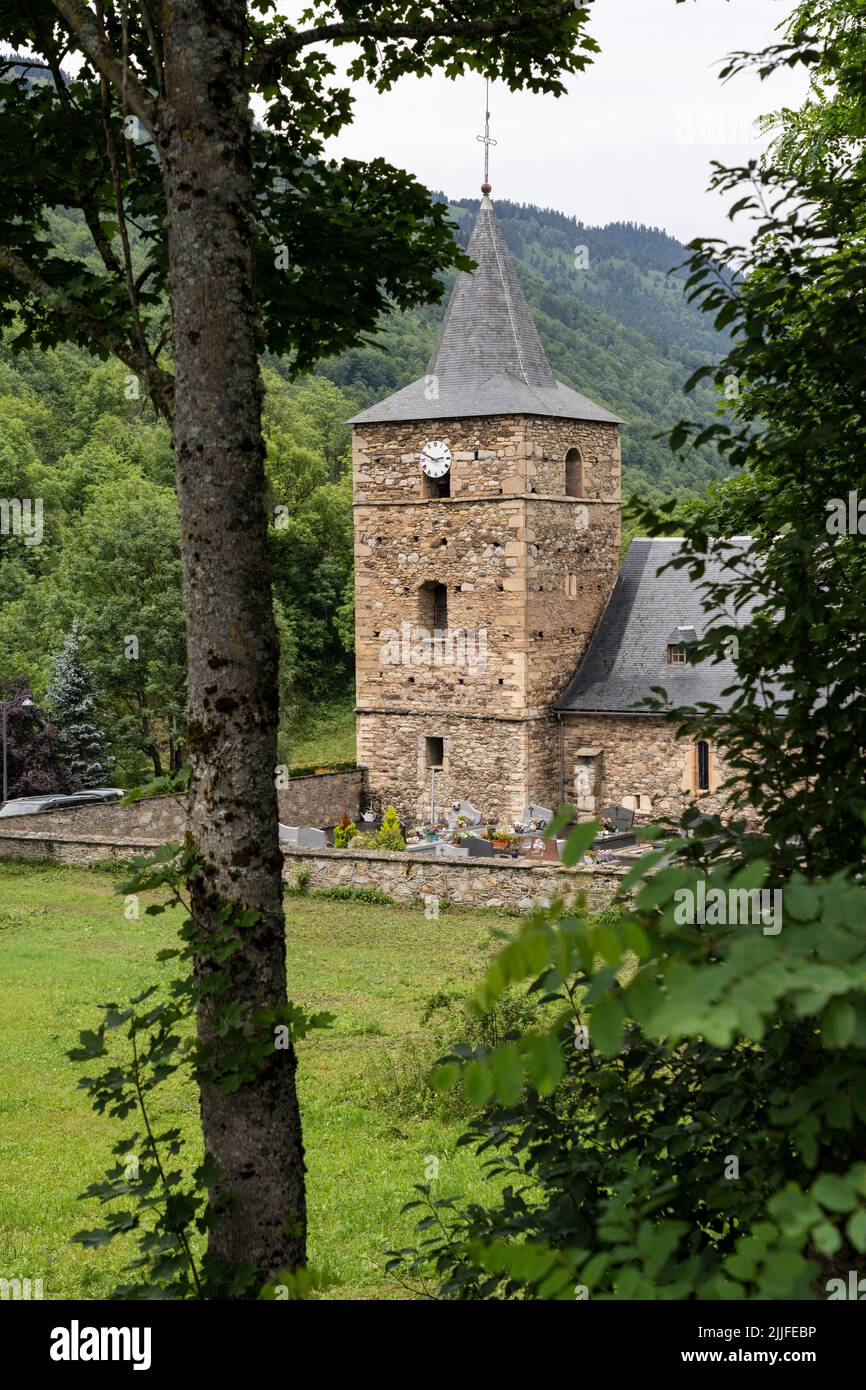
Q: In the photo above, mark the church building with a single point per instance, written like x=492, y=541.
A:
x=500, y=651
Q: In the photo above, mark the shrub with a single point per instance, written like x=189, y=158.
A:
x=389, y=835
x=349, y=894
x=301, y=883
x=343, y=832
x=401, y=1083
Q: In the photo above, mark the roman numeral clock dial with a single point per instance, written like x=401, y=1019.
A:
x=436, y=458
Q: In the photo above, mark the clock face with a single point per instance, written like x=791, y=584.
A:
x=436, y=458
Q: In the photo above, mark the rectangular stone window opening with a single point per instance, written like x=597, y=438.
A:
x=587, y=778
x=434, y=752
x=433, y=607
x=436, y=487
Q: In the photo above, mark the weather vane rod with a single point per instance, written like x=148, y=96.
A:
x=486, y=140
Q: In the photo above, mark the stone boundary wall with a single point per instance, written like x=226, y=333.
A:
x=469, y=882
x=319, y=799
x=514, y=883
x=159, y=818
x=80, y=850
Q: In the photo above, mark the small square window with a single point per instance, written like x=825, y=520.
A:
x=434, y=752
x=677, y=655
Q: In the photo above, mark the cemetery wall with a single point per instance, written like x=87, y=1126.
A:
x=319, y=799
x=505, y=883
x=79, y=850
x=509, y=883
x=159, y=818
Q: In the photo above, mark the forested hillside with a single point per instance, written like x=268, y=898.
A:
x=75, y=433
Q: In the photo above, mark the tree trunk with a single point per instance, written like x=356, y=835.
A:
x=253, y=1134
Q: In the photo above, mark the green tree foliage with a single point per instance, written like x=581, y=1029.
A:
x=100, y=460
x=248, y=238
x=109, y=558
x=32, y=762
x=312, y=544
x=692, y=1124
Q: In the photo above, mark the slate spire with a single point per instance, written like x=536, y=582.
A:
x=489, y=359
x=488, y=327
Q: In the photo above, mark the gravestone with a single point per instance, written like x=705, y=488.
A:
x=303, y=836
x=470, y=813
x=536, y=847
x=438, y=849
x=541, y=814
x=477, y=847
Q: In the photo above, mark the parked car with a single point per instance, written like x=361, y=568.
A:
x=32, y=805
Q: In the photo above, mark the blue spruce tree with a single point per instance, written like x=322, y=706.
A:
x=74, y=704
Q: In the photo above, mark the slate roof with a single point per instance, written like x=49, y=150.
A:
x=489, y=359
x=628, y=653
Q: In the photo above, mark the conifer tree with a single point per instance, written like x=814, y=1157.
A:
x=74, y=705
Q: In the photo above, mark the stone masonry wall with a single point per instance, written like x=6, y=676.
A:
x=159, y=818
x=322, y=798
x=484, y=762
x=640, y=755
x=572, y=557
x=79, y=850
x=316, y=800
x=543, y=759
x=469, y=882
x=505, y=883
x=525, y=565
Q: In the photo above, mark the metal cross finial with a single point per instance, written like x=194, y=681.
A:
x=486, y=140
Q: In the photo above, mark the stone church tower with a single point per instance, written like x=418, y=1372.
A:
x=487, y=532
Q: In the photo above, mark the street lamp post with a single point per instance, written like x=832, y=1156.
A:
x=6, y=706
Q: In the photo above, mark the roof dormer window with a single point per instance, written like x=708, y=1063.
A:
x=679, y=643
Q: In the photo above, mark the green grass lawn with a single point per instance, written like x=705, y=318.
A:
x=66, y=947
x=320, y=734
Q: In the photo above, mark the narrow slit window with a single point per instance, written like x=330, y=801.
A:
x=440, y=607
x=702, y=765
x=433, y=607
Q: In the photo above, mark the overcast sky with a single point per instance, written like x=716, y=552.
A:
x=632, y=140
